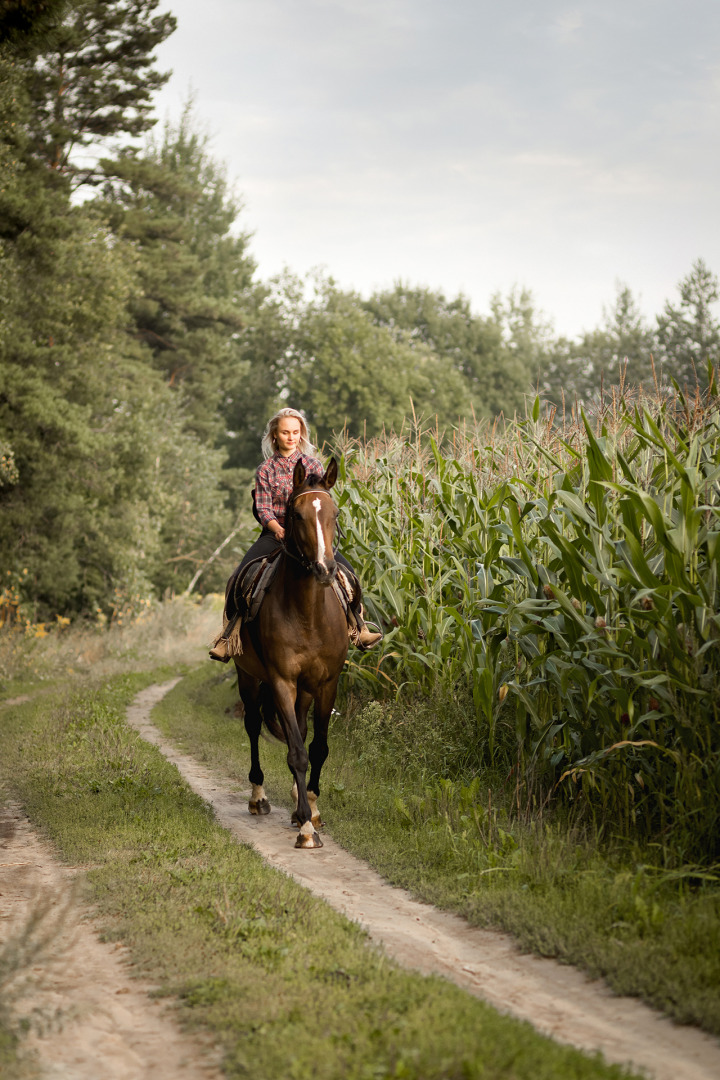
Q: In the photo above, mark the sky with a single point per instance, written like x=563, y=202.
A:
x=465, y=145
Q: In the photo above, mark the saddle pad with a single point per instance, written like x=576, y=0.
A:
x=250, y=586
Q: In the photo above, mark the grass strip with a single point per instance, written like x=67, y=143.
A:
x=289, y=986
x=606, y=908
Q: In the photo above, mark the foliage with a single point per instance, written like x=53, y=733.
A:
x=93, y=80
x=569, y=578
x=496, y=373
x=108, y=494
x=172, y=203
x=619, y=352
x=688, y=332
x=257, y=947
x=351, y=373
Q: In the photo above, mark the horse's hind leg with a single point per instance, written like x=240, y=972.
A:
x=249, y=692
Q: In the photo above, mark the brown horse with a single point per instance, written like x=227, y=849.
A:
x=294, y=650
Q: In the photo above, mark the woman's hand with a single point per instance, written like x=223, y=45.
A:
x=276, y=529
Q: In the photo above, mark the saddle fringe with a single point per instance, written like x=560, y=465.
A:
x=233, y=639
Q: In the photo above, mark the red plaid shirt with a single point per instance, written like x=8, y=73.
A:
x=274, y=484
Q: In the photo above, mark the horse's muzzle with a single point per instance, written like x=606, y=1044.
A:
x=325, y=573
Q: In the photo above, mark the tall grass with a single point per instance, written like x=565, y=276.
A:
x=566, y=573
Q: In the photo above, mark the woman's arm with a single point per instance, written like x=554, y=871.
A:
x=264, y=503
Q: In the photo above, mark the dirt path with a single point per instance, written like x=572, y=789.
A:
x=556, y=999
x=89, y=1017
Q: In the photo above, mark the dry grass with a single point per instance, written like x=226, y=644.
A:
x=175, y=631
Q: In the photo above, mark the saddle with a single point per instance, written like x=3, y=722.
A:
x=248, y=587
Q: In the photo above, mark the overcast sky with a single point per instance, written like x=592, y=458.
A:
x=463, y=144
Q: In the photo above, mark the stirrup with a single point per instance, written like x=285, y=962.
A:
x=371, y=638
x=358, y=632
x=221, y=651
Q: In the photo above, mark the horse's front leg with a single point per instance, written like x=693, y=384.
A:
x=303, y=702
x=318, y=750
x=297, y=758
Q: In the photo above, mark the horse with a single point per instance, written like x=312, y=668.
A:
x=294, y=649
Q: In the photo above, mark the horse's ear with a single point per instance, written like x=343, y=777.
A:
x=331, y=474
x=299, y=474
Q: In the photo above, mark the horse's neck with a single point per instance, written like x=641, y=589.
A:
x=301, y=591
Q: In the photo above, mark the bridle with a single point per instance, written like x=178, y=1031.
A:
x=297, y=555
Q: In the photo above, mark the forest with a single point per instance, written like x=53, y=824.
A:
x=535, y=744
x=141, y=353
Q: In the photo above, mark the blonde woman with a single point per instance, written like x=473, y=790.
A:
x=285, y=443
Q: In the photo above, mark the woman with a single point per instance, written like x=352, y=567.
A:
x=284, y=443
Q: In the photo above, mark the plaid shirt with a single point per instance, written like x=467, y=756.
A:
x=274, y=484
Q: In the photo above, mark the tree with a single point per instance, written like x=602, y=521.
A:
x=24, y=20
x=105, y=492
x=93, y=80
x=265, y=347
x=350, y=373
x=624, y=345
x=689, y=332
x=495, y=377
x=622, y=348
x=172, y=202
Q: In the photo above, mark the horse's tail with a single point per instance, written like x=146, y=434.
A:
x=268, y=713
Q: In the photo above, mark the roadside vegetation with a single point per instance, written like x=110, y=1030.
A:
x=393, y=794
x=562, y=573
x=286, y=984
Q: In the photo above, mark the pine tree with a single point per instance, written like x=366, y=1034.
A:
x=172, y=201
x=689, y=332
x=93, y=80
x=22, y=21
x=105, y=494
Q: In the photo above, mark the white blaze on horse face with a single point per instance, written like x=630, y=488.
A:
x=321, y=539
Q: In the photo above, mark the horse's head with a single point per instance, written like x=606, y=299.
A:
x=312, y=517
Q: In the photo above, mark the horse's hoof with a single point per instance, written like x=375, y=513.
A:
x=318, y=823
x=308, y=840
x=259, y=808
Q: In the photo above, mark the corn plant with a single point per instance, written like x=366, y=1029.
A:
x=568, y=575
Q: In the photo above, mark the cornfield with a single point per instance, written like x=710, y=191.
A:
x=566, y=574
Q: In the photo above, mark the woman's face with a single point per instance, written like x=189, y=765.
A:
x=288, y=435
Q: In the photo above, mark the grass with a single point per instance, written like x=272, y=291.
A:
x=608, y=907
x=287, y=986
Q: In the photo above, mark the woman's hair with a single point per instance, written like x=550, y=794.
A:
x=269, y=445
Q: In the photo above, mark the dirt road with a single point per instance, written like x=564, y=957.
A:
x=88, y=1017
x=91, y=1018
x=556, y=999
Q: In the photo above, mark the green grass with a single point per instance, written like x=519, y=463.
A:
x=288, y=986
x=607, y=907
